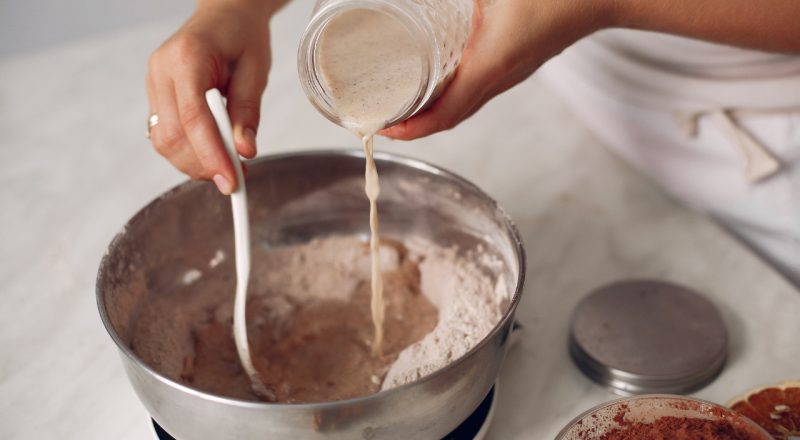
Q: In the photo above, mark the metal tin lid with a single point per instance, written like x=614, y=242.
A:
x=646, y=336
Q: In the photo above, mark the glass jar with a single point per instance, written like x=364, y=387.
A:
x=440, y=29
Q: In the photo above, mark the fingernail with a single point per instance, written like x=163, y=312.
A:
x=246, y=137
x=223, y=184
x=250, y=136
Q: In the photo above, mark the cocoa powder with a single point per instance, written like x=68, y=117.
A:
x=681, y=428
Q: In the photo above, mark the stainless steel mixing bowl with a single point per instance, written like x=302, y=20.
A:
x=293, y=198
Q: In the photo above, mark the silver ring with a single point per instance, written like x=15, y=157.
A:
x=152, y=121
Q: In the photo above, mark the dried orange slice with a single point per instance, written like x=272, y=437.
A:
x=776, y=408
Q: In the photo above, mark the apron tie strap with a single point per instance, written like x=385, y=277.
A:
x=759, y=162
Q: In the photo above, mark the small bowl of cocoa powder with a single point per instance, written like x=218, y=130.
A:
x=660, y=416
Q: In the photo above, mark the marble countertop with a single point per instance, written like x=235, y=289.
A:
x=75, y=165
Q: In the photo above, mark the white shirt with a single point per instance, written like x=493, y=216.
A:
x=716, y=126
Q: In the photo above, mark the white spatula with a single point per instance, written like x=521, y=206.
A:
x=241, y=231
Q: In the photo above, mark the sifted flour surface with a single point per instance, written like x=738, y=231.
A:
x=469, y=305
x=309, y=322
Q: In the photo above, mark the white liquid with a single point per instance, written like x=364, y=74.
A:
x=372, y=69
x=373, y=189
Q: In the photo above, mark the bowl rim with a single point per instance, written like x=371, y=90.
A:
x=509, y=225
x=572, y=423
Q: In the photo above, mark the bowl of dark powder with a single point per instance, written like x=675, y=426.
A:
x=657, y=417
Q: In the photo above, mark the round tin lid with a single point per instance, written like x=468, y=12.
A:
x=646, y=336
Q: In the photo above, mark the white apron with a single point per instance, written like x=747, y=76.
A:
x=718, y=127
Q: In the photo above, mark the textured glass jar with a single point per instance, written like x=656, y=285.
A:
x=440, y=27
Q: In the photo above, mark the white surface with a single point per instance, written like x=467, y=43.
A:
x=27, y=25
x=78, y=115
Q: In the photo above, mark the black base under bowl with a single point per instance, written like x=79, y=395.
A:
x=467, y=430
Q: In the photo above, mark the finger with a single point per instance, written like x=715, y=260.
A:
x=201, y=130
x=151, y=94
x=244, y=99
x=187, y=162
x=482, y=73
x=167, y=136
x=465, y=94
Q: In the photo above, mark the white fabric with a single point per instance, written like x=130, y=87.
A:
x=718, y=127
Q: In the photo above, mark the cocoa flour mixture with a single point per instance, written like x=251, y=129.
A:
x=309, y=321
x=682, y=428
x=716, y=425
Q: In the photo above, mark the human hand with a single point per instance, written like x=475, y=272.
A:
x=510, y=39
x=220, y=46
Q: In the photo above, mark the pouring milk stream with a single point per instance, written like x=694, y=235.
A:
x=369, y=83
x=372, y=68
